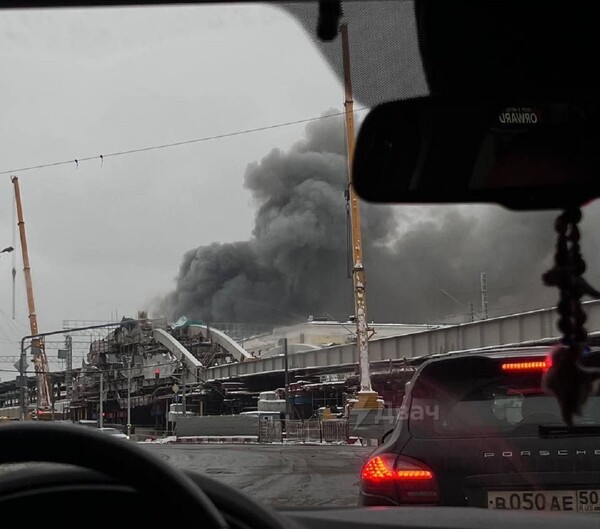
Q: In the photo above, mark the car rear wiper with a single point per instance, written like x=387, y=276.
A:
x=549, y=430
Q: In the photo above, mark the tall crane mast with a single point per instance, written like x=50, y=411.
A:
x=40, y=360
x=367, y=398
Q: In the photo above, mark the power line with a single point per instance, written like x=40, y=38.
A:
x=500, y=310
x=51, y=343
x=102, y=157
x=91, y=372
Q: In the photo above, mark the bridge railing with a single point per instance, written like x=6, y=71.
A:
x=504, y=330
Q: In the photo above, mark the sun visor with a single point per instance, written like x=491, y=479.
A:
x=509, y=47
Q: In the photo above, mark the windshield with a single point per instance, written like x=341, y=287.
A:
x=184, y=261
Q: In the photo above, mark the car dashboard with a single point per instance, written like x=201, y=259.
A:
x=433, y=518
x=83, y=492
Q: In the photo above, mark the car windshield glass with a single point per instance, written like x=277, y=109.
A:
x=184, y=261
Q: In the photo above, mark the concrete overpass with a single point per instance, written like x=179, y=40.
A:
x=505, y=330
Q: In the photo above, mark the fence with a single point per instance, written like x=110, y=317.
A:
x=330, y=431
x=270, y=432
x=335, y=430
x=186, y=426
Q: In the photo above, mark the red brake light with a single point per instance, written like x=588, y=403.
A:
x=414, y=474
x=400, y=479
x=537, y=365
x=377, y=470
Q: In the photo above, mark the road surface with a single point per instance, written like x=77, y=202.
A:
x=280, y=476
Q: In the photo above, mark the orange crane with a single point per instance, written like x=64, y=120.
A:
x=40, y=360
x=367, y=398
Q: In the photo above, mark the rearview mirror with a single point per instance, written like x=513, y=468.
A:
x=521, y=154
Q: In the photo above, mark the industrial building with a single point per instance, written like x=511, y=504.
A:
x=153, y=368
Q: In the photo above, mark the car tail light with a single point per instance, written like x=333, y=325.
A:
x=400, y=479
x=535, y=365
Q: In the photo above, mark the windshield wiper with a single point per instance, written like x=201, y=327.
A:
x=549, y=430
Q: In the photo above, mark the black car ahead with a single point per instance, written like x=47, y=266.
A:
x=476, y=429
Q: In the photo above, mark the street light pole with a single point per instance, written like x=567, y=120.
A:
x=23, y=356
x=23, y=381
x=183, y=390
x=14, y=290
x=10, y=249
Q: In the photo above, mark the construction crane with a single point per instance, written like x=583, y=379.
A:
x=367, y=398
x=40, y=360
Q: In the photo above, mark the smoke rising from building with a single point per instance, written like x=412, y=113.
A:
x=295, y=263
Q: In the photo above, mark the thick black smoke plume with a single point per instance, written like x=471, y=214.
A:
x=416, y=258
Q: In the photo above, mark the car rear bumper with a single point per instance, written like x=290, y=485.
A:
x=372, y=500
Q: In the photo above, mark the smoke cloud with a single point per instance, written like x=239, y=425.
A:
x=416, y=258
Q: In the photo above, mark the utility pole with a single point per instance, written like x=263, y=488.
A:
x=286, y=379
x=101, y=415
x=471, y=310
x=367, y=398
x=129, y=394
x=484, y=295
x=69, y=366
x=24, y=389
x=14, y=276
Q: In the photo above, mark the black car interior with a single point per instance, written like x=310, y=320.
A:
x=512, y=84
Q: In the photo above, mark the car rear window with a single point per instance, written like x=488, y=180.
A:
x=482, y=397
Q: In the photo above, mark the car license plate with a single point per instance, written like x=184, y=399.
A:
x=546, y=500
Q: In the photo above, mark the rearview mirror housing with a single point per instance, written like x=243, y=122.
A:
x=522, y=154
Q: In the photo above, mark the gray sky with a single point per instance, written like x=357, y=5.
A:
x=81, y=83
x=102, y=239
